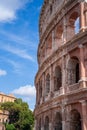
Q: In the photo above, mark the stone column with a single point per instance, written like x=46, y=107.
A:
x=42, y=123
x=42, y=128
x=82, y=18
x=43, y=93
x=36, y=96
x=63, y=116
x=50, y=126
x=67, y=114
x=82, y=79
x=53, y=41
x=63, y=74
x=64, y=31
x=84, y=114
x=51, y=81
x=35, y=125
x=85, y=13
x=63, y=121
x=39, y=92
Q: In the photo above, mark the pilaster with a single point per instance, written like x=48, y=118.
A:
x=63, y=74
x=84, y=114
x=82, y=18
x=64, y=30
x=63, y=118
x=43, y=92
x=51, y=81
x=82, y=70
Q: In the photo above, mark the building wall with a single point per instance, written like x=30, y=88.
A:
x=3, y=113
x=61, y=80
x=6, y=98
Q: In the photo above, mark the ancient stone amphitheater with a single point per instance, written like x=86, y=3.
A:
x=61, y=80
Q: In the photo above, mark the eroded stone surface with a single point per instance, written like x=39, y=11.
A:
x=61, y=80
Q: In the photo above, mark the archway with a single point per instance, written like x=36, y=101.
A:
x=73, y=25
x=46, y=123
x=73, y=71
x=47, y=84
x=40, y=88
x=75, y=120
x=57, y=78
x=58, y=36
x=40, y=124
x=58, y=122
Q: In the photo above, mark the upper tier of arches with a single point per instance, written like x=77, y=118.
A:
x=61, y=26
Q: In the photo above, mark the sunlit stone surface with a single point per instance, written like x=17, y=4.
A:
x=61, y=80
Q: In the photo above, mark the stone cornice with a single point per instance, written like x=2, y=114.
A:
x=63, y=50
x=69, y=98
x=57, y=17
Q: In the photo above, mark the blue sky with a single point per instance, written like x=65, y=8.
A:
x=18, y=47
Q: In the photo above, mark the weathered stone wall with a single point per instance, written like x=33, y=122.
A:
x=62, y=54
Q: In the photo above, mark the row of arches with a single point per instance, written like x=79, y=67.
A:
x=72, y=74
x=74, y=122
x=50, y=9
x=62, y=33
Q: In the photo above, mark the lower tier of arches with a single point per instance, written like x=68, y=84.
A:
x=63, y=117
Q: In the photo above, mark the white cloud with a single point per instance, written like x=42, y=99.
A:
x=8, y=9
x=18, y=52
x=16, y=38
x=3, y=72
x=28, y=91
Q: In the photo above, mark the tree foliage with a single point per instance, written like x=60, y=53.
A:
x=19, y=114
x=10, y=127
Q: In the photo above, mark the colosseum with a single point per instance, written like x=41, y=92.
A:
x=61, y=80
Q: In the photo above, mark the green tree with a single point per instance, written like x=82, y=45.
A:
x=10, y=127
x=19, y=114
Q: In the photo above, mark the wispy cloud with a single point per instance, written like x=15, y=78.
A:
x=8, y=9
x=39, y=8
x=19, y=52
x=28, y=91
x=17, y=39
x=3, y=72
x=16, y=66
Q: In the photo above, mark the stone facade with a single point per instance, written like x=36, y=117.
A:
x=61, y=80
x=3, y=113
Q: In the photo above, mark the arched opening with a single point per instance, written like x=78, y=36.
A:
x=57, y=78
x=77, y=73
x=47, y=84
x=75, y=120
x=40, y=124
x=74, y=25
x=73, y=71
x=40, y=88
x=51, y=9
x=46, y=127
x=49, y=44
x=77, y=25
x=58, y=122
x=58, y=36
